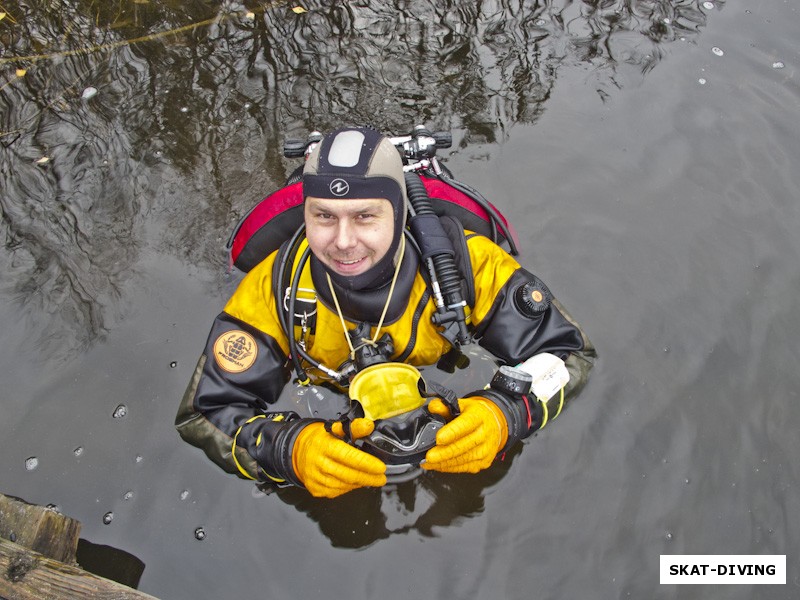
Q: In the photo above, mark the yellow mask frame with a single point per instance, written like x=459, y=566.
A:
x=386, y=390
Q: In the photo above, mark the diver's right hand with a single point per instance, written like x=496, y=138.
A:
x=330, y=467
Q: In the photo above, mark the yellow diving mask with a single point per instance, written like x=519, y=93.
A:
x=386, y=390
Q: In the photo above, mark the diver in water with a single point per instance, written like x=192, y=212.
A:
x=375, y=317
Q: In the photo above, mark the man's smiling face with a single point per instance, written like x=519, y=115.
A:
x=349, y=236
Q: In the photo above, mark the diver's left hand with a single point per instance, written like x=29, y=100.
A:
x=470, y=442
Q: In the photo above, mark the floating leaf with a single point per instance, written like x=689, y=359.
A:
x=299, y=10
x=43, y=161
x=251, y=15
x=21, y=72
x=2, y=16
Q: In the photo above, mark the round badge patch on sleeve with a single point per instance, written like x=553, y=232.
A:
x=235, y=351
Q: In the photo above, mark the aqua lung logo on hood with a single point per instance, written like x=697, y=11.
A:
x=339, y=187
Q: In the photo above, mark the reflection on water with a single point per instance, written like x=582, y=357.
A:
x=184, y=130
x=433, y=500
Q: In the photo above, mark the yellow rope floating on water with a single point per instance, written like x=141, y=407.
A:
x=110, y=46
x=137, y=40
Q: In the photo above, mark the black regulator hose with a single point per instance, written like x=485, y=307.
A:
x=286, y=258
x=296, y=352
x=437, y=248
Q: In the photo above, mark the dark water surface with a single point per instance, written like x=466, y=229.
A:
x=647, y=152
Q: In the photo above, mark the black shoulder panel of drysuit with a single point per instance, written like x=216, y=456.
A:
x=513, y=336
x=256, y=387
x=513, y=332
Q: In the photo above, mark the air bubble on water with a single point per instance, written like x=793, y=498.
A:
x=89, y=92
x=173, y=364
x=120, y=411
x=687, y=481
x=184, y=109
x=666, y=348
x=540, y=22
x=701, y=81
x=200, y=533
x=184, y=494
x=247, y=105
x=139, y=458
x=158, y=153
x=669, y=535
x=128, y=495
x=54, y=508
x=108, y=517
x=778, y=65
x=31, y=463
x=667, y=21
x=708, y=5
x=718, y=51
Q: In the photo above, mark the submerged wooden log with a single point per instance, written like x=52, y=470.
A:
x=40, y=562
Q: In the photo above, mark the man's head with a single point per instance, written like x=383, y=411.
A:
x=355, y=206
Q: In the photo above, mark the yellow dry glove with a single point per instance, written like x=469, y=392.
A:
x=468, y=443
x=329, y=467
